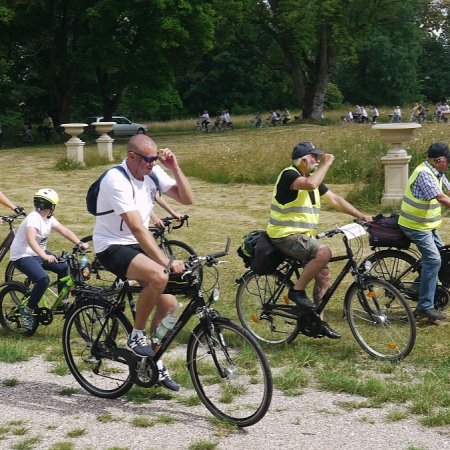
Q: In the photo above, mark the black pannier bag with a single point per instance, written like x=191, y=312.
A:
x=247, y=248
x=267, y=258
x=444, y=271
x=385, y=232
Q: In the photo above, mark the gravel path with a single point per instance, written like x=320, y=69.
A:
x=314, y=420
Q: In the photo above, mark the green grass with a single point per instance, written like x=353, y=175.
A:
x=247, y=161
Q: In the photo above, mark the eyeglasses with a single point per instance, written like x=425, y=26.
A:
x=148, y=159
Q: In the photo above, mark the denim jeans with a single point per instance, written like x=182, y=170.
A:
x=428, y=244
x=34, y=267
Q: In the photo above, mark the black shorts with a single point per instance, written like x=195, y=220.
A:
x=117, y=258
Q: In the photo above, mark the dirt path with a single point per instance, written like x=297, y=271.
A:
x=314, y=420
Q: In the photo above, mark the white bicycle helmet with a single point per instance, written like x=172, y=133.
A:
x=45, y=199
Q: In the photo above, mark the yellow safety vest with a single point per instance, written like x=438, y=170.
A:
x=298, y=216
x=421, y=215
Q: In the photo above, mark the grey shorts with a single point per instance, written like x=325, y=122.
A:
x=299, y=246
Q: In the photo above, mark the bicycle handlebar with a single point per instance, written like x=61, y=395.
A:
x=168, y=221
x=328, y=233
x=11, y=218
x=210, y=260
x=337, y=230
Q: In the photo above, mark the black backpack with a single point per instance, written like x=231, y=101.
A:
x=94, y=189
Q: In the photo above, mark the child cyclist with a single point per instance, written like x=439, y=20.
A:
x=29, y=250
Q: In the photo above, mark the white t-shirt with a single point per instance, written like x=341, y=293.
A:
x=116, y=193
x=43, y=225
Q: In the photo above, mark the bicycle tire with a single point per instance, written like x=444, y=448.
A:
x=397, y=268
x=11, y=298
x=12, y=273
x=178, y=249
x=255, y=308
x=400, y=269
x=94, y=366
x=99, y=276
x=242, y=393
x=381, y=321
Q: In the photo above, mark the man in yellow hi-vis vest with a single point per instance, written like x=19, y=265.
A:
x=294, y=216
x=420, y=218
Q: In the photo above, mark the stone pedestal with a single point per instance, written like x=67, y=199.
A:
x=104, y=141
x=396, y=160
x=445, y=115
x=74, y=144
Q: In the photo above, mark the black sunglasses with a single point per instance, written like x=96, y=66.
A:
x=148, y=159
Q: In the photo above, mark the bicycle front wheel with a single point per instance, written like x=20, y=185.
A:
x=230, y=372
x=12, y=297
x=92, y=343
x=263, y=308
x=380, y=320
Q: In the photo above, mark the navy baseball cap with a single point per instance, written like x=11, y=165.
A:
x=437, y=150
x=305, y=148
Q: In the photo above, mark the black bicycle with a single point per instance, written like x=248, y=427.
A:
x=227, y=366
x=402, y=269
x=173, y=248
x=377, y=313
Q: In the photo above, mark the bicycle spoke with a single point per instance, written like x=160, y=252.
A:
x=91, y=339
x=259, y=303
x=381, y=321
x=11, y=298
x=230, y=373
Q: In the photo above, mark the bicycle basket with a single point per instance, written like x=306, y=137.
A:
x=79, y=274
x=385, y=232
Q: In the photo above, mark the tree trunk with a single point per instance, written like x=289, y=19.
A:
x=315, y=92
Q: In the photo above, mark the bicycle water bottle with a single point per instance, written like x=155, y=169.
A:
x=166, y=324
x=84, y=266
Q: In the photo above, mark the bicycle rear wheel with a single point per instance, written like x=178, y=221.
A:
x=92, y=343
x=178, y=249
x=12, y=273
x=380, y=320
x=257, y=300
x=397, y=268
x=11, y=298
x=230, y=372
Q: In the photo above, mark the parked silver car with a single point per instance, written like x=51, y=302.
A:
x=123, y=126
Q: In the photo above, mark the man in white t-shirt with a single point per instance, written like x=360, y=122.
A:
x=126, y=247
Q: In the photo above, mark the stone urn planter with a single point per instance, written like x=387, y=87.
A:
x=396, y=160
x=103, y=128
x=396, y=134
x=74, y=130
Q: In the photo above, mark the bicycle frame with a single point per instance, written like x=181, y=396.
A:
x=6, y=244
x=68, y=282
x=350, y=266
x=196, y=304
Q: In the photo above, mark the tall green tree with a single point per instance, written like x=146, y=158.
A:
x=306, y=38
x=56, y=45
